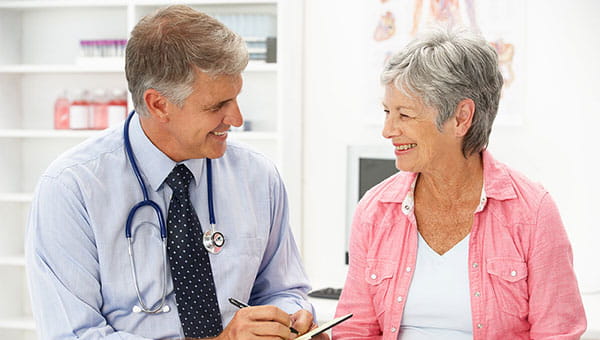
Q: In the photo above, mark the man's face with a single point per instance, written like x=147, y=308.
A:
x=199, y=128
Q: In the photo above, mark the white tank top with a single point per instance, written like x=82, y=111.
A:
x=438, y=304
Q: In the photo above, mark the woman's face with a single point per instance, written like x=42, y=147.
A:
x=410, y=125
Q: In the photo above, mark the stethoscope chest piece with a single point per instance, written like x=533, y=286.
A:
x=213, y=241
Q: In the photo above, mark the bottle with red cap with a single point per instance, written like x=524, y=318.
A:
x=79, y=110
x=61, y=111
x=117, y=107
x=99, y=110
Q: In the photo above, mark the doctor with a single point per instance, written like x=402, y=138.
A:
x=223, y=233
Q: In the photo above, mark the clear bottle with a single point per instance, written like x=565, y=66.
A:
x=61, y=111
x=117, y=107
x=99, y=110
x=79, y=111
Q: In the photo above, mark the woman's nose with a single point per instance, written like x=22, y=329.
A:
x=390, y=129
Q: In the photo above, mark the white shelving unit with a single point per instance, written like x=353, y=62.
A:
x=38, y=59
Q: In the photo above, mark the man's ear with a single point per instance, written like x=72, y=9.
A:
x=465, y=110
x=157, y=105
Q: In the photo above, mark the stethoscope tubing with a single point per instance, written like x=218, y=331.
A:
x=208, y=237
x=138, y=175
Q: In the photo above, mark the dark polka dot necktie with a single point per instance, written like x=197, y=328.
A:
x=195, y=292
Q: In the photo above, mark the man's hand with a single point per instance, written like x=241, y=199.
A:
x=260, y=322
x=268, y=322
x=303, y=322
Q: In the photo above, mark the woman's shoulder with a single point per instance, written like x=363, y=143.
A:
x=391, y=190
x=512, y=193
x=505, y=181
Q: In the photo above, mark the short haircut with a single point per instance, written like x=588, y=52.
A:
x=444, y=66
x=167, y=47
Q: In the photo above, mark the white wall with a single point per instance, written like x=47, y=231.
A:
x=556, y=144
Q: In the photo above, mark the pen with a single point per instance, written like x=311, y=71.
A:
x=239, y=304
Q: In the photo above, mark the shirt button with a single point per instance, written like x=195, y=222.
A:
x=373, y=276
x=475, y=264
x=408, y=269
x=513, y=273
x=479, y=325
x=477, y=294
x=393, y=329
x=399, y=299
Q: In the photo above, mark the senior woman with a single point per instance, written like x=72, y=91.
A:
x=456, y=245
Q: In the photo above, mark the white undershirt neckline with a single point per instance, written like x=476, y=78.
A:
x=438, y=304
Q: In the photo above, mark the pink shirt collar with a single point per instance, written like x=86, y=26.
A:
x=497, y=185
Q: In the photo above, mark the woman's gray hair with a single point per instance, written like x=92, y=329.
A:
x=444, y=66
x=167, y=47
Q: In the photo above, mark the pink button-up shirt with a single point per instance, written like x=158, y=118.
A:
x=521, y=275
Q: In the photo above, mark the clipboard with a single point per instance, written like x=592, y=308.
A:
x=324, y=327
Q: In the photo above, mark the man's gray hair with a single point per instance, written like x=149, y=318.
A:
x=167, y=47
x=444, y=66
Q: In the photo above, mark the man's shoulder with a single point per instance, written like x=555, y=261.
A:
x=89, y=153
x=245, y=156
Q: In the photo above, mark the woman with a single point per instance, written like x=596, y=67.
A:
x=456, y=245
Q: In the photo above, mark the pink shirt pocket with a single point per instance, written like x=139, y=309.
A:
x=508, y=278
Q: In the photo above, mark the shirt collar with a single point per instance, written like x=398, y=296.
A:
x=404, y=184
x=497, y=181
x=497, y=185
x=154, y=165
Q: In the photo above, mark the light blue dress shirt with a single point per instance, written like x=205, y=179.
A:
x=77, y=259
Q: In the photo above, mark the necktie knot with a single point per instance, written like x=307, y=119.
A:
x=179, y=179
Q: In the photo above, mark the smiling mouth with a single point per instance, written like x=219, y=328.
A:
x=217, y=133
x=406, y=146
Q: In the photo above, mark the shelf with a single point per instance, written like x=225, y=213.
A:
x=205, y=2
x=41, y=57
x=51, y=69
x=41, y=133
x=26, y=4
x=25, y=133
x=261, y=66
x=16, y=197
x=23, y=323
x=253, y=66
x=253, y=135
x=18, y=261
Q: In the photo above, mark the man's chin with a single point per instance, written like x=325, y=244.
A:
x=216, y=153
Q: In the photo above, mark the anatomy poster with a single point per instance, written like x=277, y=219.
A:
x=395, y=22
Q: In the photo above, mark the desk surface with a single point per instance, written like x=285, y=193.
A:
x=326, y=310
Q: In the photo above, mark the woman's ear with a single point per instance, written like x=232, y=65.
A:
x=465, y=111
x=156, y=104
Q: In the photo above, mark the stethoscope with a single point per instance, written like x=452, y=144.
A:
x=212, y=240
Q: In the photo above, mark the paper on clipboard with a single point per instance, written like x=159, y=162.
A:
x=324, y=327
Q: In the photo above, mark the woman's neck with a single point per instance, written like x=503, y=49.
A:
x=455, y=182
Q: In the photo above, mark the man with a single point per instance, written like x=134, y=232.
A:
x=184, y=72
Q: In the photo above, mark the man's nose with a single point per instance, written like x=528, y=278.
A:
x=234, y=116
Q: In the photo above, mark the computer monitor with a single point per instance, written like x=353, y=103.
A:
x=368, y=165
